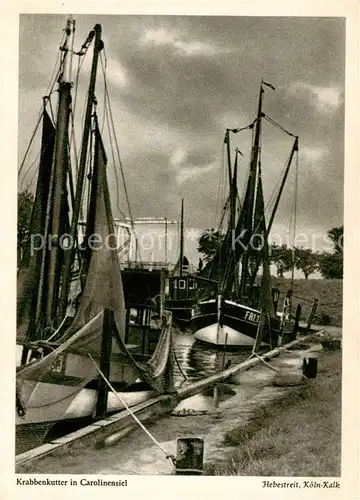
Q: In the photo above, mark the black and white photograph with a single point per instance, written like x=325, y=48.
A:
x=181, y=189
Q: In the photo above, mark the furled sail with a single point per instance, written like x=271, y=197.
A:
x=103, y=286
x=29, y=269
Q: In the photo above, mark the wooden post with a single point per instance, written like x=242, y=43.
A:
x=216, y=396
x=224, y=352
x=162, y=293
x=24, y=355
x=312, y=314
x=189, y=456
x=181, y=258
x=297, y=319
x=101, y=405
x=310, y=367
x=127, y=323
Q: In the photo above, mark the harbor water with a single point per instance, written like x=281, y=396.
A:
x=196, y=360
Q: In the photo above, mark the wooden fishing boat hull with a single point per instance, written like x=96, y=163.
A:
x=54, y=402
x=79, y=366
x=51, y=403
x=222, y=336
x=181, y=310
x=238, y=325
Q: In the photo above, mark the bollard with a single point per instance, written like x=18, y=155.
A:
x=189, y=456
x=310, y=367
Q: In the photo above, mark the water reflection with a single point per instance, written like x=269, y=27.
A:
x=198, y=361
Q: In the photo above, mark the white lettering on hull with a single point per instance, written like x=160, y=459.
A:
x=252, y=317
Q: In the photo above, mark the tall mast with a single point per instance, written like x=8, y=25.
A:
x=69, y=256
x=233, y=217
x=234, y=190
x=277, y=201
x=232, y=200
x=293, y=151
x=60, y=169
x=182, y=237
x=252, y=185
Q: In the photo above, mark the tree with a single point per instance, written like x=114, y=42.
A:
x=331, y=264
x=336, y=235
x=208, y=243
x=25, y=206
x=306, y=261
x=281, y=256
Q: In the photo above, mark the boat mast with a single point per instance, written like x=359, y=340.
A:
x=294, y=149
x=60, y=168
x=277, y=201
x=252, y=187
x=69, y=256
x=234, y=188
x=181, y=238
x=232, y=197
x=233, y=210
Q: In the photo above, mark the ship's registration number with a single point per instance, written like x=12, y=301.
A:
x=58, y=364
x=252, y=316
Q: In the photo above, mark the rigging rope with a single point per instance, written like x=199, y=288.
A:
x=74, y=148
x=51, y=108
x=89, y=168
x=111, y=125
x=118, y=155
x=221, y=188
x=294, y=209
x=31, y=141
x=107, y=118
x=276, y=124
x=311, y=300
x=117, y=395
x=179, y=366
x=104, y=68
x=53, y=79
x=36, y=159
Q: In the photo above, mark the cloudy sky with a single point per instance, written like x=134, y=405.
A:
x=177, y=82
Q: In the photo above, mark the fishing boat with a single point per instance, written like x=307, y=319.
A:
x=73, y=325
x=184, y=287
x=244, y=313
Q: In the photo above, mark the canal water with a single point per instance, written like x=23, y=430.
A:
x=196, y=360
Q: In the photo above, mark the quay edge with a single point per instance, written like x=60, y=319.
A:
x=96, y=433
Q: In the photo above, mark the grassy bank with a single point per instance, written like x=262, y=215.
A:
x=299, y=435
x=328, y=293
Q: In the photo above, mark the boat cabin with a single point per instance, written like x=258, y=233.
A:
x=189, y=287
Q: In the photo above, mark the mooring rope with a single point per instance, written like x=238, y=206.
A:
x=169, y=457
x=179, y=366
x=326, y=304
x=265, y=362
